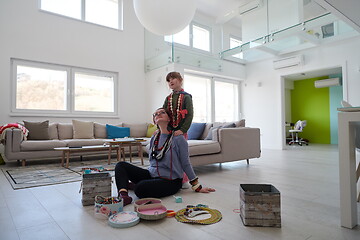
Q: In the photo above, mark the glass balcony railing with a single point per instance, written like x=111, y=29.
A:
x=311, y=33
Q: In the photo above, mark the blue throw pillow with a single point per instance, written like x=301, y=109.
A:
x=196, y=130
x=117, y=132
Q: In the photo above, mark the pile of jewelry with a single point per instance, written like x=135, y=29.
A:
x=188, y=214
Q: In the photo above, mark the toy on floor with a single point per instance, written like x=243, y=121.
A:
x=188, y=214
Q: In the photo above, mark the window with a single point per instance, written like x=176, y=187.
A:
x=201, y=38
x=103, y=12
x=220, y=104
x=93, y=93
x=236, y=43
x=226, y=101
x=200, y=89
x=42, y=88
x=193, y=36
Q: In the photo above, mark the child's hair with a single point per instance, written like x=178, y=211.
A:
x=173, y=75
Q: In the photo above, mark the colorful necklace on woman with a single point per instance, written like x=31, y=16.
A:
x=159, y=152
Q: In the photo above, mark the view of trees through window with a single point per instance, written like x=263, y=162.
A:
x=40, y=89
x=94, y=93
x=63, y=89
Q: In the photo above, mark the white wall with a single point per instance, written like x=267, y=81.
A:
x=27, y=33
x=263, y=105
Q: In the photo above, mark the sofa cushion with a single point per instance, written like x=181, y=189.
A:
x=83, y=129
x=206, y=130
x=202, y=147
x=213, y=133
x=137, y=130
x=100, y=130
x=117, y=132
x=41, y=145
x=195, y=131
x=240, y=123
x=65, y=131
x=83, y=142
x=37, y=130
x=53, y=131
x=150, y=130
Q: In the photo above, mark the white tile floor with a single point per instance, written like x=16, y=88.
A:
x=307, y=178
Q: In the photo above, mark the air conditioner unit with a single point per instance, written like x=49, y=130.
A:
x=250, y=6
x=292, y=61
x=327, y=82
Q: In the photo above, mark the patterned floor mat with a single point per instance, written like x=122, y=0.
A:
x=49, y=174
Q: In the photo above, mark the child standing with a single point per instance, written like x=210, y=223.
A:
x=180, y=108
x=179, y=105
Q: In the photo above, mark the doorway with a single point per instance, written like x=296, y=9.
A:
x=318, y=106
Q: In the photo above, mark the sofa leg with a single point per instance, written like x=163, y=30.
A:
x=247, y=161
x=23, y=162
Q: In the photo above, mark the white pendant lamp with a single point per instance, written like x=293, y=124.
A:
x=164, y=17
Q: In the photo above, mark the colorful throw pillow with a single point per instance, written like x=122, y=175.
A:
x=38, y=130
x=117, y=132
x=150, y=130
x=195, y=131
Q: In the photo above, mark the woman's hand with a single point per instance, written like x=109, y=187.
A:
x=207, y=190
x=178, y=132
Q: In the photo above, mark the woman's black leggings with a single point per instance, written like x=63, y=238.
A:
x=145, y=185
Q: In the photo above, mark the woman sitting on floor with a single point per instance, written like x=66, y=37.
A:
x=169, y=159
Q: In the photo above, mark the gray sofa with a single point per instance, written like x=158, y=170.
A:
x=227, y=144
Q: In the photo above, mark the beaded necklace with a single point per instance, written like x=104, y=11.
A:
x=158, y=152
x=155, y=154
x=178, y=114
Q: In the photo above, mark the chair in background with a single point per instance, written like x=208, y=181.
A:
x=298, y=128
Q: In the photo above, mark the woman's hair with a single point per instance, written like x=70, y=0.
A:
x=167, y=112
x=172, y=75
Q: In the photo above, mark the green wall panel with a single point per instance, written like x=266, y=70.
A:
x=312, y=104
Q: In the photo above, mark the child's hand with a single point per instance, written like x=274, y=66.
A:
x=178, y=132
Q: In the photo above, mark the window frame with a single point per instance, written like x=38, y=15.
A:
x=224, y=80
x=191, y=45
x=120, y=15
x=70, y=91
x=214, y=79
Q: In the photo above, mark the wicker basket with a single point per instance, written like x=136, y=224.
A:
x=260, y=205
x=145, y=201
x=154, y=211
x=105, y=207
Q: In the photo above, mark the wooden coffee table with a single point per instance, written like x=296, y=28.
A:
x=120, y=144
x=66, y=151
